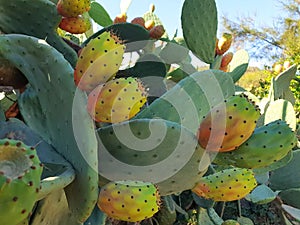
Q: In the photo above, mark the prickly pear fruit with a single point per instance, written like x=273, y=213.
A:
x=121, y=18
x=130, y=201
x=286, y=65
x=117, y=100
x=230, y=222
x=267, y=144
x=228, y=124
x=20, y=174
x=75, y=25
x=226, y=59
x=278, y=68
x=149, y=24
x=73, y=8
x=226, y=185
x=223, y=44
x=151, y=7
x=138, y=20
x=157, y=31
x=98, y=61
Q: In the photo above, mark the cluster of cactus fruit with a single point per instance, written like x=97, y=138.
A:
x=141, y=141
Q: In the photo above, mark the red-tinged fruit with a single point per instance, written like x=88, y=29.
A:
x=228, y=124
x=98, y=61
x=130, y=201
x=75, y=25
x=157, y=32
x=121, y=18
x=223, y=44
x=226, y=59
x=116, y=101
x=226, y=185
x=73, y=8
x=139, y=21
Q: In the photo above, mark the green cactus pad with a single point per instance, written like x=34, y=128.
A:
x=127, y=32
x=55, y=73
x=100, y=15
x=191, y=99
x=39, y=19
x=281, y=83
x=267, y=145
x=288, y=176
x=20, y=175
x=53, y=210
x=199, y=24
x=157, y=151
x=281, y=110
x=129, y=200
x=239, y=64
x=226, y=185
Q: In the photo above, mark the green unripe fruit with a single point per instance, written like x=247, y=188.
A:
x=20, y=174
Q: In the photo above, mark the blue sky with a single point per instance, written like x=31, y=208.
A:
x=169, y=11
x=265, y=12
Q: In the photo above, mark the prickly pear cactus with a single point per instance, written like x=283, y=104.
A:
x=152, y=150
x=226, y=185
x=48, y=85
x=191, y=99
x=228, y=124
x=129, y=200
x=98, y=61
x=117, y=100
x=20, y=175
x=267, y=145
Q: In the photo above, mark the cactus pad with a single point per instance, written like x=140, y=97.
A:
x=267, y=145
x=129, y=200
x=226, y=185
x=20, y=174
x=199, y=24
x=117, y=100
x=228, y=124
x=98, y=61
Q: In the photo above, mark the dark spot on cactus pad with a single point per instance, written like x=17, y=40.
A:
x=230, y=117
x=23, y=211
x=33, y=167
x=15, y=199
x=131, y=196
